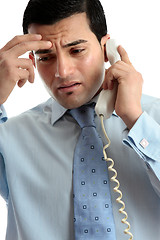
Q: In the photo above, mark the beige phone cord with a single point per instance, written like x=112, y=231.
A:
x=114, y=179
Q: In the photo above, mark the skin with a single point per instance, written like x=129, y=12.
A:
x=72, y=71
x=73, y=68
x=14, y=70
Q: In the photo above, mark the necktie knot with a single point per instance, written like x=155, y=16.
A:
x=84, y=115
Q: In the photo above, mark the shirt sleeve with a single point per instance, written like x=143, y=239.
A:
x=3, y=180
x=3, y=115
x=144, y=138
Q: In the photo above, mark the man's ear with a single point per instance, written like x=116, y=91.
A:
x=104, y=39
x=31, y=56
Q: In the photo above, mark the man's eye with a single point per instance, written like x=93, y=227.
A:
x=46, y=58
x=43, y=59
x=77, y=51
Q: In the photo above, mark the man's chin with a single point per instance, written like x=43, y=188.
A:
x=73, y=102
x=72, y=105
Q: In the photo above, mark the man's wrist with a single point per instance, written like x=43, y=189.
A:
x=132, y=118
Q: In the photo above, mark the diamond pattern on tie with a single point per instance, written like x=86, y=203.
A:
x=93, y=217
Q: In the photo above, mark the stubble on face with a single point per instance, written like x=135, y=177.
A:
x=86, y=68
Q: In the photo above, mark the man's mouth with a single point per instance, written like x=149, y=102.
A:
x=70, y=87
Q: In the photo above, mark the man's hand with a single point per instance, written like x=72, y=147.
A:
x=128, y=101
x=14, y=69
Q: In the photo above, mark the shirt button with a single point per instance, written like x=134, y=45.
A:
x=144, y=143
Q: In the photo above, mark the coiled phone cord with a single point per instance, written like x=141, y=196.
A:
x=114, y=179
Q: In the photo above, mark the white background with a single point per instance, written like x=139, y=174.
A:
x=134, y=23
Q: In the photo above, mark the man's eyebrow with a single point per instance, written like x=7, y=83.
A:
x=71, y=44
x=43, y=51
x=75, y=43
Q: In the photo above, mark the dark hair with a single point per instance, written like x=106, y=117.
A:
x=47, y=12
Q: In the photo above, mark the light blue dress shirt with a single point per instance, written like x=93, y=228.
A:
x=36, y=159
x=3, y=115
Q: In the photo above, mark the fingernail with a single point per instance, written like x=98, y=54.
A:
x=49, y=43
x=38, y=36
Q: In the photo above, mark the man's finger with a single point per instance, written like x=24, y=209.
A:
x=24, y=47
x=23, y=74
x=26, y=64
x=124, y=55
x=21, y=83
x=19, y=39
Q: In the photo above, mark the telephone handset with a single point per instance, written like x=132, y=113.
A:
x=104, y=108
x=107, y=98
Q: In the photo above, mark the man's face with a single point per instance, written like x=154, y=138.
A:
x=73, y=69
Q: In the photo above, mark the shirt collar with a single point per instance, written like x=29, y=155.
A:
x=58, y=111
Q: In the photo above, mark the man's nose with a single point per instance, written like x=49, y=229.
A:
x=65, y=66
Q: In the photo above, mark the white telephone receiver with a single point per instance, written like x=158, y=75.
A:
x=104, y=108
x=106, y=101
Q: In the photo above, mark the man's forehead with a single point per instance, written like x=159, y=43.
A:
x=68, y=45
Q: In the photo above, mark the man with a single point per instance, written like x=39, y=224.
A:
x=67, y=41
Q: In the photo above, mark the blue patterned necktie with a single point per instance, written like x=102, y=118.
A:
x=93, y=217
